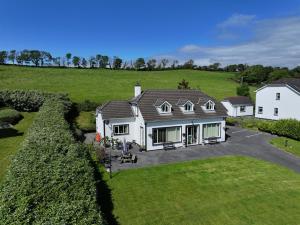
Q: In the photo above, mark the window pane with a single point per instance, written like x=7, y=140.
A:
x=116, y=130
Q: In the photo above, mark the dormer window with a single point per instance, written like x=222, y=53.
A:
x=210, y=105
x=165, y=108
x=188, y=107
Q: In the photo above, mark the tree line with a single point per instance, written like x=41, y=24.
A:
x=255, y=74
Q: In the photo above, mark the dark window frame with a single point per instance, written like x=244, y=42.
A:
x=244, y=108
x=260, y=111
x=276, y=111
x=278, y=96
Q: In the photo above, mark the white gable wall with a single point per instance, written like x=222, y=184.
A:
x=234, y=110
x=288, y=105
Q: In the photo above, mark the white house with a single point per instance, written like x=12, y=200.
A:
x=155, y=117
x=279, y=100
x=238, y=106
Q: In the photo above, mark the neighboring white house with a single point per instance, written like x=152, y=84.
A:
x=154, y=117
x=238, y=106
x=279, y=100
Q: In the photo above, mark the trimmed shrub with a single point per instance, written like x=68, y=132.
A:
x=51, y=178
x=87, y=105
x=10, y=116
x=286, y=128
x=28, y=101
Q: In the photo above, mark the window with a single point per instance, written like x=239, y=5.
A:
x=165, y=108
x=275, y=111
x=210, y=105
x=121, y=129
x=277, y=96
x=243, y=108
x=211, y=130
x=166, y=134
x=188, y=107
x=260, y=110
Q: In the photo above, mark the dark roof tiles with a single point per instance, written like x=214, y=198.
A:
x=239, y=100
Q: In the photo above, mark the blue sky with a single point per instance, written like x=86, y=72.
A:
x=207, y=31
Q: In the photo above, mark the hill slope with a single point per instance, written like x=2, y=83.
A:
x=101, y=85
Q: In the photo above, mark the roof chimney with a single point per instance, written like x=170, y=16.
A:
x=137, y=89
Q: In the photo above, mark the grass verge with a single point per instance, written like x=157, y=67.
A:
x=291, y=146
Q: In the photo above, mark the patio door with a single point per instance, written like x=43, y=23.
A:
x=191, y=135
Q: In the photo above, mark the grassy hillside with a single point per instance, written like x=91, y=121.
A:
x=226, y=190
x=102, y=85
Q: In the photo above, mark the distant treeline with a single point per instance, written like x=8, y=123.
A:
x=255, y=74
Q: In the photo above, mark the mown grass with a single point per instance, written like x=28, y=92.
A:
x=86, y=121
x=227, y=190
x=293, y=146
x=101, y=85
x=11, y=139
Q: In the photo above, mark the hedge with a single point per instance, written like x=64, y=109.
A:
x=287, y=128
x=51, y=178
x=28, y=101
x=10, y=116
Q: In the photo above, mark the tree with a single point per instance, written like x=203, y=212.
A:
x=151, y=63
x=76, y=61
x=57, y=61
x=98, y=59
x=241, y=67
x=139, y=63
x=117, y=63
x=68, y=57
x=83, y=62
x=183, y=84
x=3, y=56
x=175, y=62
x=243, y=90
x=279, y=73
x=164, y=62
x=189, y=64
x=92, y=61
x=35, y=56
x=45, y=57
x=215, y=66
x=104, y=61
x=256, y=74
x=231, y=68
x=12, y=56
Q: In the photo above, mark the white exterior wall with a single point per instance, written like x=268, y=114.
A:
x=135, y=124
x=288, y=105
x=234, y=110
x=183, y=124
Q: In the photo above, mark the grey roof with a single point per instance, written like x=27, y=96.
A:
x=159, y=102
x=116, y=109
x=148, y=98
x=182, y=101
x=239, y=100
x=292, y=82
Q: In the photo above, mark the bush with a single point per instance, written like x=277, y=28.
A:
x=51, y=178
x=286, y=128
x=10, y=116
x=87, y=106
x=86, y=121
x=243, y=90
x=28, y=101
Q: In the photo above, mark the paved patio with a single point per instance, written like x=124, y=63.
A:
x=240, y=142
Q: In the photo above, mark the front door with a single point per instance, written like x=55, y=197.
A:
x=191, y=135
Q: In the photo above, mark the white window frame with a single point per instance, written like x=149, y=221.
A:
x=210, y=125
x=165, y=108
x=276, y=111
x=165, y=132
x=260, y=110
x=125, y=129
x=188, y=107
x=278, y=96
x=242, y=107
x=210, y=106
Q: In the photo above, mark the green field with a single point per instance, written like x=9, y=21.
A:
x=227, y=190
x=101, y=85
x=9, y=145
x=293, y=146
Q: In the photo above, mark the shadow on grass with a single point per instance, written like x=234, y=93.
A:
x=9, y=132
x=104, y=197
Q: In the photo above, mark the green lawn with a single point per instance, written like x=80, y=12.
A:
x=86, y=121
x=227, y=190
x=9, y=145
x=293, y=146
x=102, y=85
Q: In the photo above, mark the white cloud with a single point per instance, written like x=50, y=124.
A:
x=276, y=42
x=237, y=20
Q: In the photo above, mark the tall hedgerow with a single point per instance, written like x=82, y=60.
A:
x=51, y=179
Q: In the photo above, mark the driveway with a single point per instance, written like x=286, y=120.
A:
x=240, y=142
